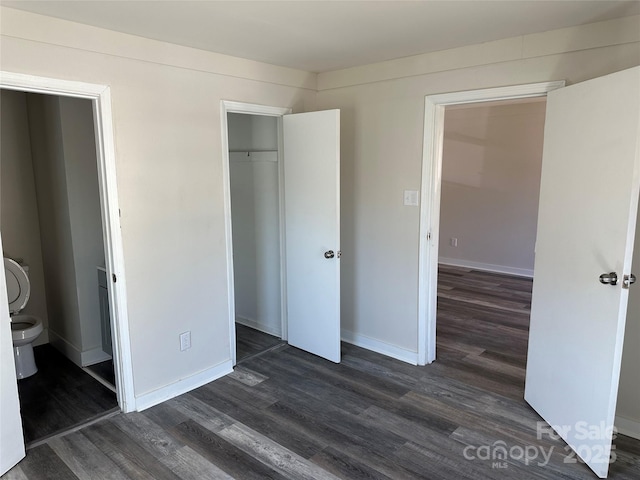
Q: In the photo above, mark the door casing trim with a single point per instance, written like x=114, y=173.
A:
x=430, y=192
x=226, y=107
x=100, y=96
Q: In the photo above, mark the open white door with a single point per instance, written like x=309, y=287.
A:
x=588, y=206
x=11, y=438
x=312, y=231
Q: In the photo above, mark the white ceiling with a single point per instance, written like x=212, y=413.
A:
x=326, y=35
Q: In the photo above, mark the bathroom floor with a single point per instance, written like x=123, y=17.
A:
x=59, y=396
x=250, y=342
x=105, y=371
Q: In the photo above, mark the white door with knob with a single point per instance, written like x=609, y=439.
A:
x=588, y=208
x=312, y=231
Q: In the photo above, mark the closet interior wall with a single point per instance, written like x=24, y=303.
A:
x=254, y=178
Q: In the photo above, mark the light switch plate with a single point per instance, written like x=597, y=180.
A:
x=411, y=198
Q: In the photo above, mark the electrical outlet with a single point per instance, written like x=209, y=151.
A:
x=453, y=242
x=411, y=198
x=185, y=341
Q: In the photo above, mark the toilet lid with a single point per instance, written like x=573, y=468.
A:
x=18, y=285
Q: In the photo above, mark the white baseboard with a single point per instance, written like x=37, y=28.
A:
x=630, y=428
x=183, y=385
x=489, y=267
x=73, y=353
x=256, y=325
x=378, y=346
x=64, y=347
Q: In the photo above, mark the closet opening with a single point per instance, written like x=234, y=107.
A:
x=290, y=292
x=256, y=211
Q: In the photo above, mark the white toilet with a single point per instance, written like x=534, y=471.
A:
x=24, y=328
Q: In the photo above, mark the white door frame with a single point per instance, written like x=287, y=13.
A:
x=227, y=106
x=100, y=96
x=430, y=196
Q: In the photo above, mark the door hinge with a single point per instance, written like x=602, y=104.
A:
x=113, y=276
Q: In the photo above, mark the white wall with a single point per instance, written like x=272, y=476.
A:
x=491, y=166
x=18, y=208
x=53, y=208
x=52, y=193
x=78, y=137
x=628, y=411
x=382, y=119
x=241, y=177
x=66, y=180
x=255, y=220
x=165, y=102
x=166, y=108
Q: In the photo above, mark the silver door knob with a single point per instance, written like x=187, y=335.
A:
x=609, y=278
x=329, y=254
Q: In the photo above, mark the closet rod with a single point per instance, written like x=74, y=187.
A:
x=251, y=151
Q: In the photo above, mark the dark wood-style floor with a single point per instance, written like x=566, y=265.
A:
x=289, y=414
x=59, y=396
x=250, y=342
x=105, y=371
x=486, y=316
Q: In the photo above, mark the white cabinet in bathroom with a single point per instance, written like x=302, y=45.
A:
x=105, y=315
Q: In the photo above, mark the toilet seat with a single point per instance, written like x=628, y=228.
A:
x=18, y=286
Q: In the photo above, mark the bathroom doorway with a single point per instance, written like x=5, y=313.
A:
x=52, y=226
x=60, y=98
x=254, y=182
